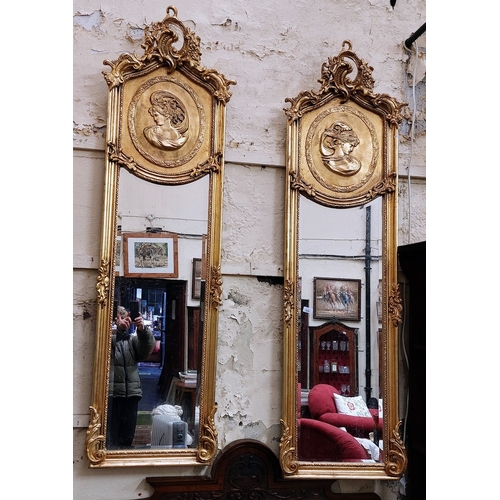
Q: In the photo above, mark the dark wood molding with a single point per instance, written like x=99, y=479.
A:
x=247, y=470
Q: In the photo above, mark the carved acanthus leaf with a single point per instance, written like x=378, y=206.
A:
x=288, y=299
x=388, y=185
x=396, y=464
x=116, y=155
x=296, y=182
x=395, y=305
x=289, y=465
x=337, y=81
x=216, y=287
x=159, y=49
x=102, y=285
x=94, y=441
x=213, y=164
x=208, y=440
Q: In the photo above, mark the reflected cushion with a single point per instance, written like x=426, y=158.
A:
x=354, y=406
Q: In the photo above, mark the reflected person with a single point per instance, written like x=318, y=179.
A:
x=125, y=390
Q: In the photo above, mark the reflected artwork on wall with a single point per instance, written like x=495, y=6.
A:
x=337, y=298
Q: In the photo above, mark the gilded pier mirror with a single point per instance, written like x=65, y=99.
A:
x=160, y=255
x=341, y=300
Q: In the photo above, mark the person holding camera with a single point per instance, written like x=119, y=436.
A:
x=125, y=384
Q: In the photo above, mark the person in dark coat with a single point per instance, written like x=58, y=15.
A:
x=125, y=384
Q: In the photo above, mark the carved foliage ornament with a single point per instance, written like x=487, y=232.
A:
x=159, y=49
x=337, y=81
x=169, y=109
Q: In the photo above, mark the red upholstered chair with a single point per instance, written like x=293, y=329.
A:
x=322, y=408
x=319, y=441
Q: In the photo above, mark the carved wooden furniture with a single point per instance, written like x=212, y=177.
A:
x=334, y=344
x=245, y=470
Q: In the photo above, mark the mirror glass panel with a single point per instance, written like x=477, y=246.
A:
x=171, y=308
x=340, y=273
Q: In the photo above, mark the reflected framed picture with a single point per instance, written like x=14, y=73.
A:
x=118, y=256
x=150, y=255
x=337, y=298
x=196, y=280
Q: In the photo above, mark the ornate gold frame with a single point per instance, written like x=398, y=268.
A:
x=346, y=91
x=204, y=92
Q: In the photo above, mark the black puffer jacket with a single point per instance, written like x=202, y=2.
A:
x=126, y=351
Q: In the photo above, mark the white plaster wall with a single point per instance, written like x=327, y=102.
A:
x=273, y=50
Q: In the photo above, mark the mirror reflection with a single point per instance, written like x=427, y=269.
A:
x=339, y=333
x=157, y=320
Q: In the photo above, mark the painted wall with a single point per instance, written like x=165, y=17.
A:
x=273, y=50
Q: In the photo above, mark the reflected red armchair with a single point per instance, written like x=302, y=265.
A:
x=319, y=441
x=322, y=408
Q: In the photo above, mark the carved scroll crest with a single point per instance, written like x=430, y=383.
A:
x=337, y=81
x=159, y=49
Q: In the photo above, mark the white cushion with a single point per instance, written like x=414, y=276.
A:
x=351, y=406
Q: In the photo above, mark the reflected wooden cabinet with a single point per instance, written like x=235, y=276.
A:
x=333, y=352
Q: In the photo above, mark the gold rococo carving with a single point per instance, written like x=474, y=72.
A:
x=216, y=287
x=395, y=305
x=95, y=441
x=102, y=285
x=288, y=463
x=209, y=438
x=397, y=463
x=335, y=82
x=159, y=50
x=288, y=297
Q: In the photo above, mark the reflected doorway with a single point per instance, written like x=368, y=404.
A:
x=175, y=328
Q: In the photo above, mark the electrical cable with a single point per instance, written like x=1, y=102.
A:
x=412, y=133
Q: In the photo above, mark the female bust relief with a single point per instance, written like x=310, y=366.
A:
x=172, y=121
x=337, y=144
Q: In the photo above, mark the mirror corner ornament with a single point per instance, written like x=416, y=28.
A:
x=209, y=439
x=95, y=440
x=287, y=451
x=398, y=461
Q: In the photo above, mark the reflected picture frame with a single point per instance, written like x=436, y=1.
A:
x=119, y=255
x=150, y=255
x=337, y=298
x=196, y=279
